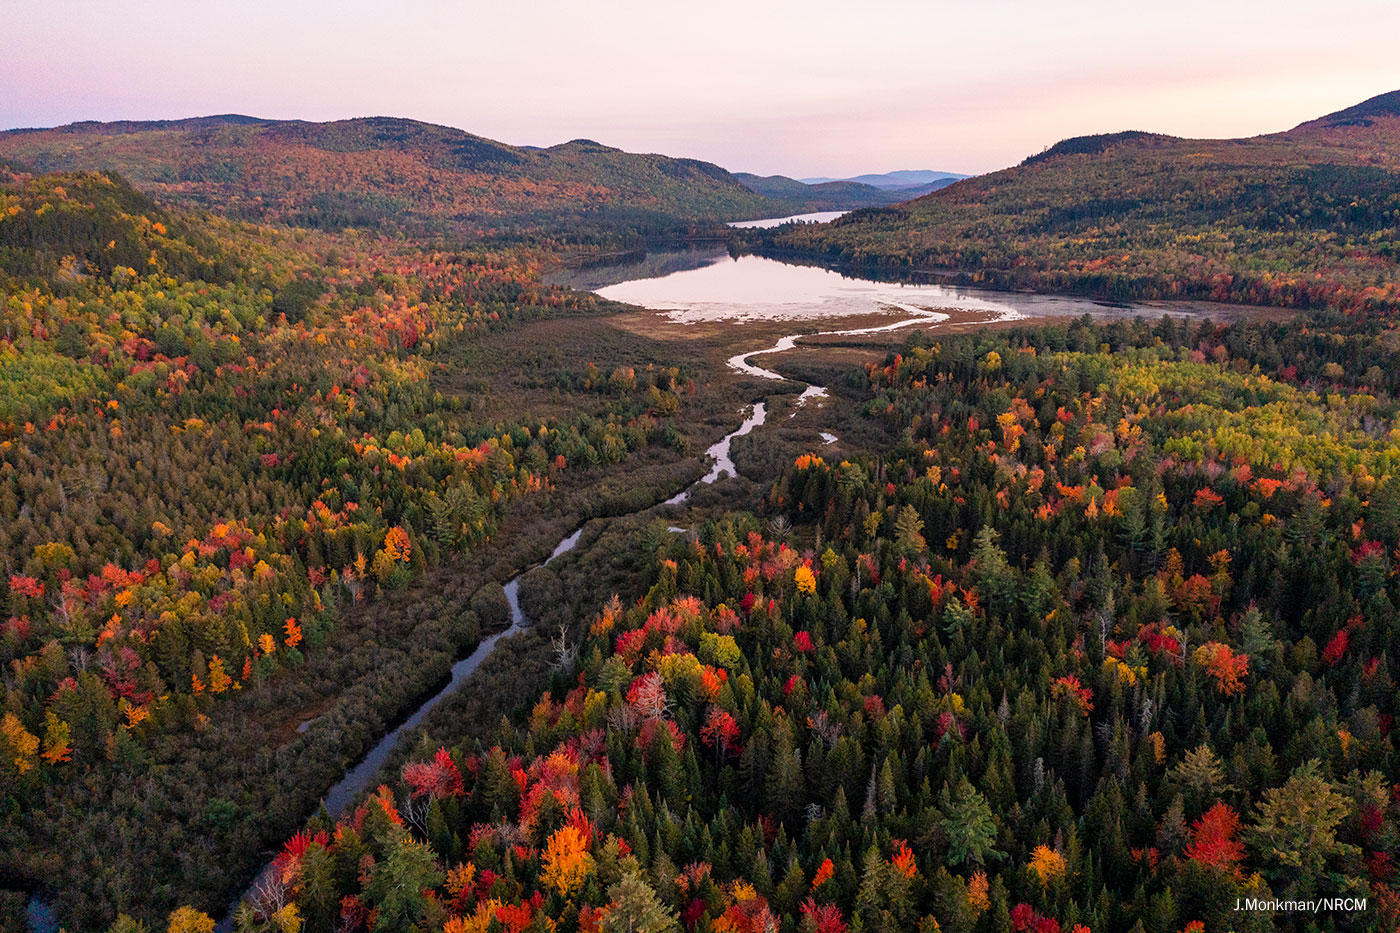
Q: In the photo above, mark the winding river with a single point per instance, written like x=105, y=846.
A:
x=359, y=778
x=362, y=776
x=696, y=286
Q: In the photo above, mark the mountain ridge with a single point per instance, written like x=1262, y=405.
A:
x=899, y=179
x=831, y=195
x=394, y=172
x=1362, y=114
x=1303, y=218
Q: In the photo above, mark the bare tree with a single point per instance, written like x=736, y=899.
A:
x=268, y=894
x=565, y=650
x=414, y=810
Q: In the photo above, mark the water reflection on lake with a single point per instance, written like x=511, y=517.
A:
x=710, y=285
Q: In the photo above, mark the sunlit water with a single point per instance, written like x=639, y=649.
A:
x=718, y=453
x=816, y=217
x=718, y=287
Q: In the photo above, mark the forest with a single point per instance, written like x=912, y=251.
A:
x=1100, y=641
x=216, y=443
x=1083, y=626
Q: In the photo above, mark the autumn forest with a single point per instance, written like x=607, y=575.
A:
x=1026, y=624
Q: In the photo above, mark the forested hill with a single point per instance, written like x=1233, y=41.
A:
x=383, y=171
x=1306, y=218
x=825, y=196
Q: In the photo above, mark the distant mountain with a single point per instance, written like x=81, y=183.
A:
x=826, y=196
x=384, y=171
x=901, y=180
x=1305, y=218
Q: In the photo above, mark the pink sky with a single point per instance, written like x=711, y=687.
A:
x=798, y=88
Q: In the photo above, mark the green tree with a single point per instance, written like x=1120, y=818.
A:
x=398, y=883
x=1295, y=830
x=968, y=824
x=908, y=531
x=1201, y=778
x=635, y=908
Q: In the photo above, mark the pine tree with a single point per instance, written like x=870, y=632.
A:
x=397, y=885
x=1296, y=828
x=635, y=908
x=969, y=825
x=908, y=531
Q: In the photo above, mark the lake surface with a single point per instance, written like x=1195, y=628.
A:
x=710, y=285
x=817, y=217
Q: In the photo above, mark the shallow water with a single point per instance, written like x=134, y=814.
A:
x=740, y=361
x=719, y=452
x=807, y=395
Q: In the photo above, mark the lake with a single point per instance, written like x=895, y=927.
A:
x=692, y=286
x=817, y=217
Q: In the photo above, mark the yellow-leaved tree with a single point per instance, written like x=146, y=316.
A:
x=23, y=744
x=1047, y=864
x=189, y=920
x=566, y=860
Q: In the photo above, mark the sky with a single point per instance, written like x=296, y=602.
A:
x=794, y=88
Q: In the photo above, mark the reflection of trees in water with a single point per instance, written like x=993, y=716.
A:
x=923, y=289
x=637, y=264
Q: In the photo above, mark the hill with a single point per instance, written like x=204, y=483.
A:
x=1382, y=106
x=826, y=196
x=388, y=172
x=95, y=225
x=1305, y=218
x=897, y=181
x=902, y=185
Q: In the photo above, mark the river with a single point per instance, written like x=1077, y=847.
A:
x=708, y=285
x=365, y=773
x=737, y=289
